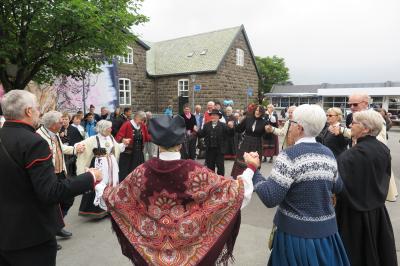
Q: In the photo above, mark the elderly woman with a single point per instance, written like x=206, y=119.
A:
x=363, y=220
x=176, y=212
x=284, y=131
x=270, y=140
x=101, y=152
x=254, y=127
x=302, y=182
x=337, y=143
x=135, y=130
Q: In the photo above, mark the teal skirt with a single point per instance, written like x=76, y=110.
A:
x=291, y=250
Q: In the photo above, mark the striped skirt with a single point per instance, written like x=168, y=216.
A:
x=292, y=250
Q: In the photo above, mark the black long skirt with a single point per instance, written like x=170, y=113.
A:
x=128, y=162
x=367, y=236
x=249, y=144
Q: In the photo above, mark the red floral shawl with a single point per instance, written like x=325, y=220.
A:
x=176, y=213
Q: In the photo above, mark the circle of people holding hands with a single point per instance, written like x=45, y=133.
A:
x=329, y=182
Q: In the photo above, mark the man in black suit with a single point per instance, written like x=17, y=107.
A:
x=117, y=123
x=29, y=188
x=214, y=133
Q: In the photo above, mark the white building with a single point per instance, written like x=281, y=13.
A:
x=385, y=95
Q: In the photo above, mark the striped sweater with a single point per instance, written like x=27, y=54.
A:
x=302, y=181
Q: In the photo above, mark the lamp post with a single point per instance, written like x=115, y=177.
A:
x=193, y=78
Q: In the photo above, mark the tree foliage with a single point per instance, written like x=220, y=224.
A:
x=42, y=39
x=273, y=71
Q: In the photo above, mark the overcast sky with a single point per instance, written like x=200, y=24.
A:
x=333, y=41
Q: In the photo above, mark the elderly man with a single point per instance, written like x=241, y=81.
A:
x=301, y=183
x=30, y=191
x=104, y=113
x=176, y=212
x=51, y=125
x=287, y=142
x=363, y=220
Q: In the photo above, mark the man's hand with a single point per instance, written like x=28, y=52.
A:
x=79, y=148
x=230, y=124
x=268, y=128
x=252, y=158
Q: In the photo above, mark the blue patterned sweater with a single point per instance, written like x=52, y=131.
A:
x=302, y=181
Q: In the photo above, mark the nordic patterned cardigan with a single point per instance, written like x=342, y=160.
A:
x=302, y=181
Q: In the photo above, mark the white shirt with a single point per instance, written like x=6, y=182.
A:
x=246, y=176
x=306, y=140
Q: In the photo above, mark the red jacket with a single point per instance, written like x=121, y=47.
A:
x=126, y=132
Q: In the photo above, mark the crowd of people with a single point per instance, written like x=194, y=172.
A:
x=330, y=181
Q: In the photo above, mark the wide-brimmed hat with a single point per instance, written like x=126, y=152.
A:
x=166, y=131
x=215, y=112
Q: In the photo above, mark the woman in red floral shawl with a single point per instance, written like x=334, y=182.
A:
x=170, y=211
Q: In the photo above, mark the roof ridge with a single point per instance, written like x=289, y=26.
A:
x=198, y=34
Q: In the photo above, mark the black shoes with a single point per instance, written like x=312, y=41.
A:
x=59, y=247
x=64, y=233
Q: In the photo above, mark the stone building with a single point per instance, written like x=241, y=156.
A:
x=217, y=65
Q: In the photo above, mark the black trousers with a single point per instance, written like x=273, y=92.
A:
x=65, y=205
x=43, y=255
x=215, y=158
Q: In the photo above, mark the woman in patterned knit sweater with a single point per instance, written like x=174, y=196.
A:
x=302, y=182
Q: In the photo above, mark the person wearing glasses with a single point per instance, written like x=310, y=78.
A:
x=302, y=183
x=336, y=143
x=362, y=217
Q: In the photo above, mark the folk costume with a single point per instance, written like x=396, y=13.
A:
x=30, y=193
x=283, y=131
x=337, y=144
x=301, y=183
x=188, y=150
x=270, y=141
x=231, y=144
x=176, y=212
x=214, y=135
x=363, y=220
x=133, y=154
x=58, y=150
x=71, y=136
x=254, y=129
x=101, y=152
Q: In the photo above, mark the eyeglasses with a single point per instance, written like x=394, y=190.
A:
x=354, y=104
x=330, y=115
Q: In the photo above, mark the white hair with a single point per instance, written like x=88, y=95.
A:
x=311, y=117
x=140, y=114
x=50, y=118
x=15, y=102
x=102, y=126
x=371, y=120
x=211, y=102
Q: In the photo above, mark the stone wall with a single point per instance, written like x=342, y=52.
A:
x=142, y=87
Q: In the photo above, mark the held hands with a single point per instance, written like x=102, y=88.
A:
x=79, y=148
x=126, y=141
x=230, y=124
x=252, y=158
x=96, y=173
x=268, y=128
x=335, y=130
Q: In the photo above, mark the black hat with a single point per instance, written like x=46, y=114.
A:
x=166, y=131
x=216, y=112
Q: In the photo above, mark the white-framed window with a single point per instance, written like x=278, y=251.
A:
x=124, y=91
x=239, y=57
x=128, y=58
x=183, y=87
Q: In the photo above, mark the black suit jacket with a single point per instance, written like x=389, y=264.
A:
x=222, y=132
x=29, y=189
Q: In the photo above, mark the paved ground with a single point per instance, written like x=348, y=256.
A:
x=94, y=243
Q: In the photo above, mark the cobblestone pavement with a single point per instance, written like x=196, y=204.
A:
x=93, y=242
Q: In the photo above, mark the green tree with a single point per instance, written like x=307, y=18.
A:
x=273, y=71
x=42, y=39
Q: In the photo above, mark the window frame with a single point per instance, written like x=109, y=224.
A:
x=183, y=81
x=125, y=91
x=128, y=59
x=239, y=57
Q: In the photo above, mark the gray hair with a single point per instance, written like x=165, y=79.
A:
x=140, y=114
x=311, y=117
x=50, y=118
x=15, y=102
x=102, y=126
x=371, y=120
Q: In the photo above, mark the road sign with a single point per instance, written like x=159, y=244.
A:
x=197, y=87
x=250, y=91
